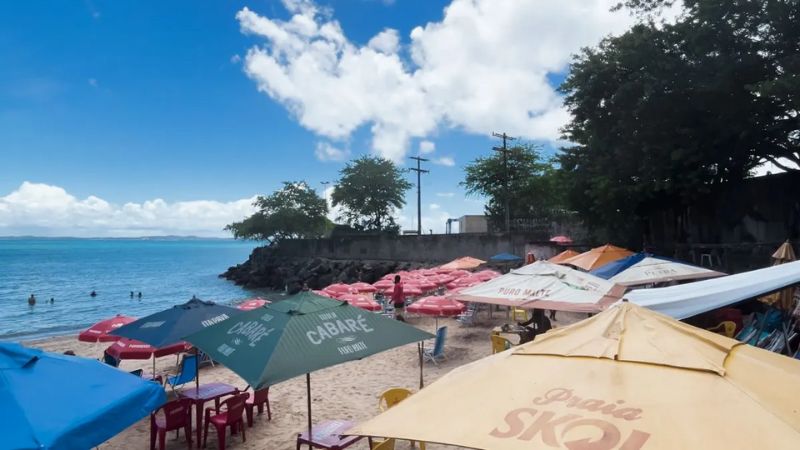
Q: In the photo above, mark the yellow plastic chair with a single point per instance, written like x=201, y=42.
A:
x=391, y=397
x=725, y=328
x=388, y=399
x=388, y=444
x=519, y=315
x=500, y=344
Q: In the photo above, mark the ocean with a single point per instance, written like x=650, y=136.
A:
x=166, y=272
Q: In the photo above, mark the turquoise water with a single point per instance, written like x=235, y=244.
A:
x=166, y=271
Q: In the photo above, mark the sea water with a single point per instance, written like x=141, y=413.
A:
x=165, y=271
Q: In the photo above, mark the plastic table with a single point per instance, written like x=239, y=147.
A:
x=206, y=392
x=328, y=435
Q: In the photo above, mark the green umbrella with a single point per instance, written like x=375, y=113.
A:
x=299, y=335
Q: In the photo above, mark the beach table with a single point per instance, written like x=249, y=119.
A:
x=328, y=435
x=200, y=395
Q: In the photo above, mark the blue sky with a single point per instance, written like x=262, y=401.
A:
x=131, y=101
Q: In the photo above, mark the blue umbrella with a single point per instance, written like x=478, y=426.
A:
x=505, y=257
x=51, y=401
x=171, y=325
x=614, y=267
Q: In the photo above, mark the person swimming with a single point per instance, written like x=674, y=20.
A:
x=52, y=300
x=93, y=294
x=131, y=294
x=32, y=300
x=140, y=294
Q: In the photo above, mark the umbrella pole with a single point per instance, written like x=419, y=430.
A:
x=196, y=369
x=308, y=394
x=154, y=365
x=419, y=350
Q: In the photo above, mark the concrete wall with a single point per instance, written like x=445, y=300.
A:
x=473, y=224
x=425, y=248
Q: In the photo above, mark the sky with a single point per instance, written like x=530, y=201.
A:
x=130, y=118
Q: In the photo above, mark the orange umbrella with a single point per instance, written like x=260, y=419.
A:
x=597, y=257
x=559, y=258
x=467, y=262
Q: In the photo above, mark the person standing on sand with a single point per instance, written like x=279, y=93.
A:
x=398, y=299
x=32, y=300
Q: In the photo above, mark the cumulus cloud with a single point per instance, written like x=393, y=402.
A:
x=325, y=151
x=426, y=147
x=47, y=210
x=236, y=59
x=446, y=161
x=483, y=67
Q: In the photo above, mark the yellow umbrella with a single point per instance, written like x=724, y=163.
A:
x=566, y=254
x=783, y=299
x=625, y=379
x=598, y=256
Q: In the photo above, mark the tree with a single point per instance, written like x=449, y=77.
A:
x=532, y=185
x=292, y=212
x=369, y=191
x=666, y=111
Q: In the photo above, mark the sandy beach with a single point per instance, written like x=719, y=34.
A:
x=347, y=391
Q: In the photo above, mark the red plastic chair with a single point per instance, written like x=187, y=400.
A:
x=177, y=415
x=229, y=414
x=257, y=400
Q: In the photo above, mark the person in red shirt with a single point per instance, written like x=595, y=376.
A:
x=398, y=299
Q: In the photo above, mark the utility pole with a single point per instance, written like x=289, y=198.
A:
x=505, y=151
x=419, y=171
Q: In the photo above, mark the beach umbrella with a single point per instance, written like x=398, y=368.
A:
x=384, y=284
x=125, y=348
x=561, y=257
x=597, y=257
x=643, y=268
x=170, y=326
x=465, y=282
x=783, y=299
x=59, y=402
x=362, y=287
x=411, y=289
x=361, y=301
x=323, y=294
x=436, y=306
x=99, y=331
x=299, y=335
x=339, y=289
x=253, y=303
x=505, y=258
x=546, y=286
x=463, y=263
x=424, y=284
x=562, y=240
x=627, y=378
x=486, y=275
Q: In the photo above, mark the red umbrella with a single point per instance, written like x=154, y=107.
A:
x=360, y=301
x=99, y=331
x=323, y=294
x=411, y=290
x=436, y=306
x=459, y=273
x=561, y=240
x=363, y=287
x=253, y=303
x=486, y=275
x=131, y=349
x=339, y=289
x=464, y=282
x=383, y=285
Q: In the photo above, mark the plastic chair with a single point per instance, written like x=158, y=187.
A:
x=499, y=343
x=230, y=416
x=438, y=347
x=519, y=314
x=388, y=444
x=177, y=415
x=391, y=397
x=137, y=373
x=257, y=400
x=725, y=328
x=188, y=372
x=468, y=316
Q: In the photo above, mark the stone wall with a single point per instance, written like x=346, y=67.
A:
x=426, y=248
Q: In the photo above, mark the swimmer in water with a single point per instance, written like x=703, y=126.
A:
x=140, y=294
x=131, y=294
x=52, y=300
x=32, y=300
x=93, y=294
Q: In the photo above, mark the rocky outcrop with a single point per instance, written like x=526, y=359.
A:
x=265, y=269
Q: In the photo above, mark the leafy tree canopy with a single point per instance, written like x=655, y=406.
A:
x=664, y=111
x=369, y=191
x=533, y=187
x=294, y=211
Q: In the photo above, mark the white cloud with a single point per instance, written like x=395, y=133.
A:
x=434, y=206
x=444, y=161
x=47, y=210
x=426, y=147
x=482, y=68
x=387, y=41
x=445, y=194
x=325, y=151
x=236, y=59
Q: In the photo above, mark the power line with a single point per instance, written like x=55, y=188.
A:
x=505, y=151
x=419, y=171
